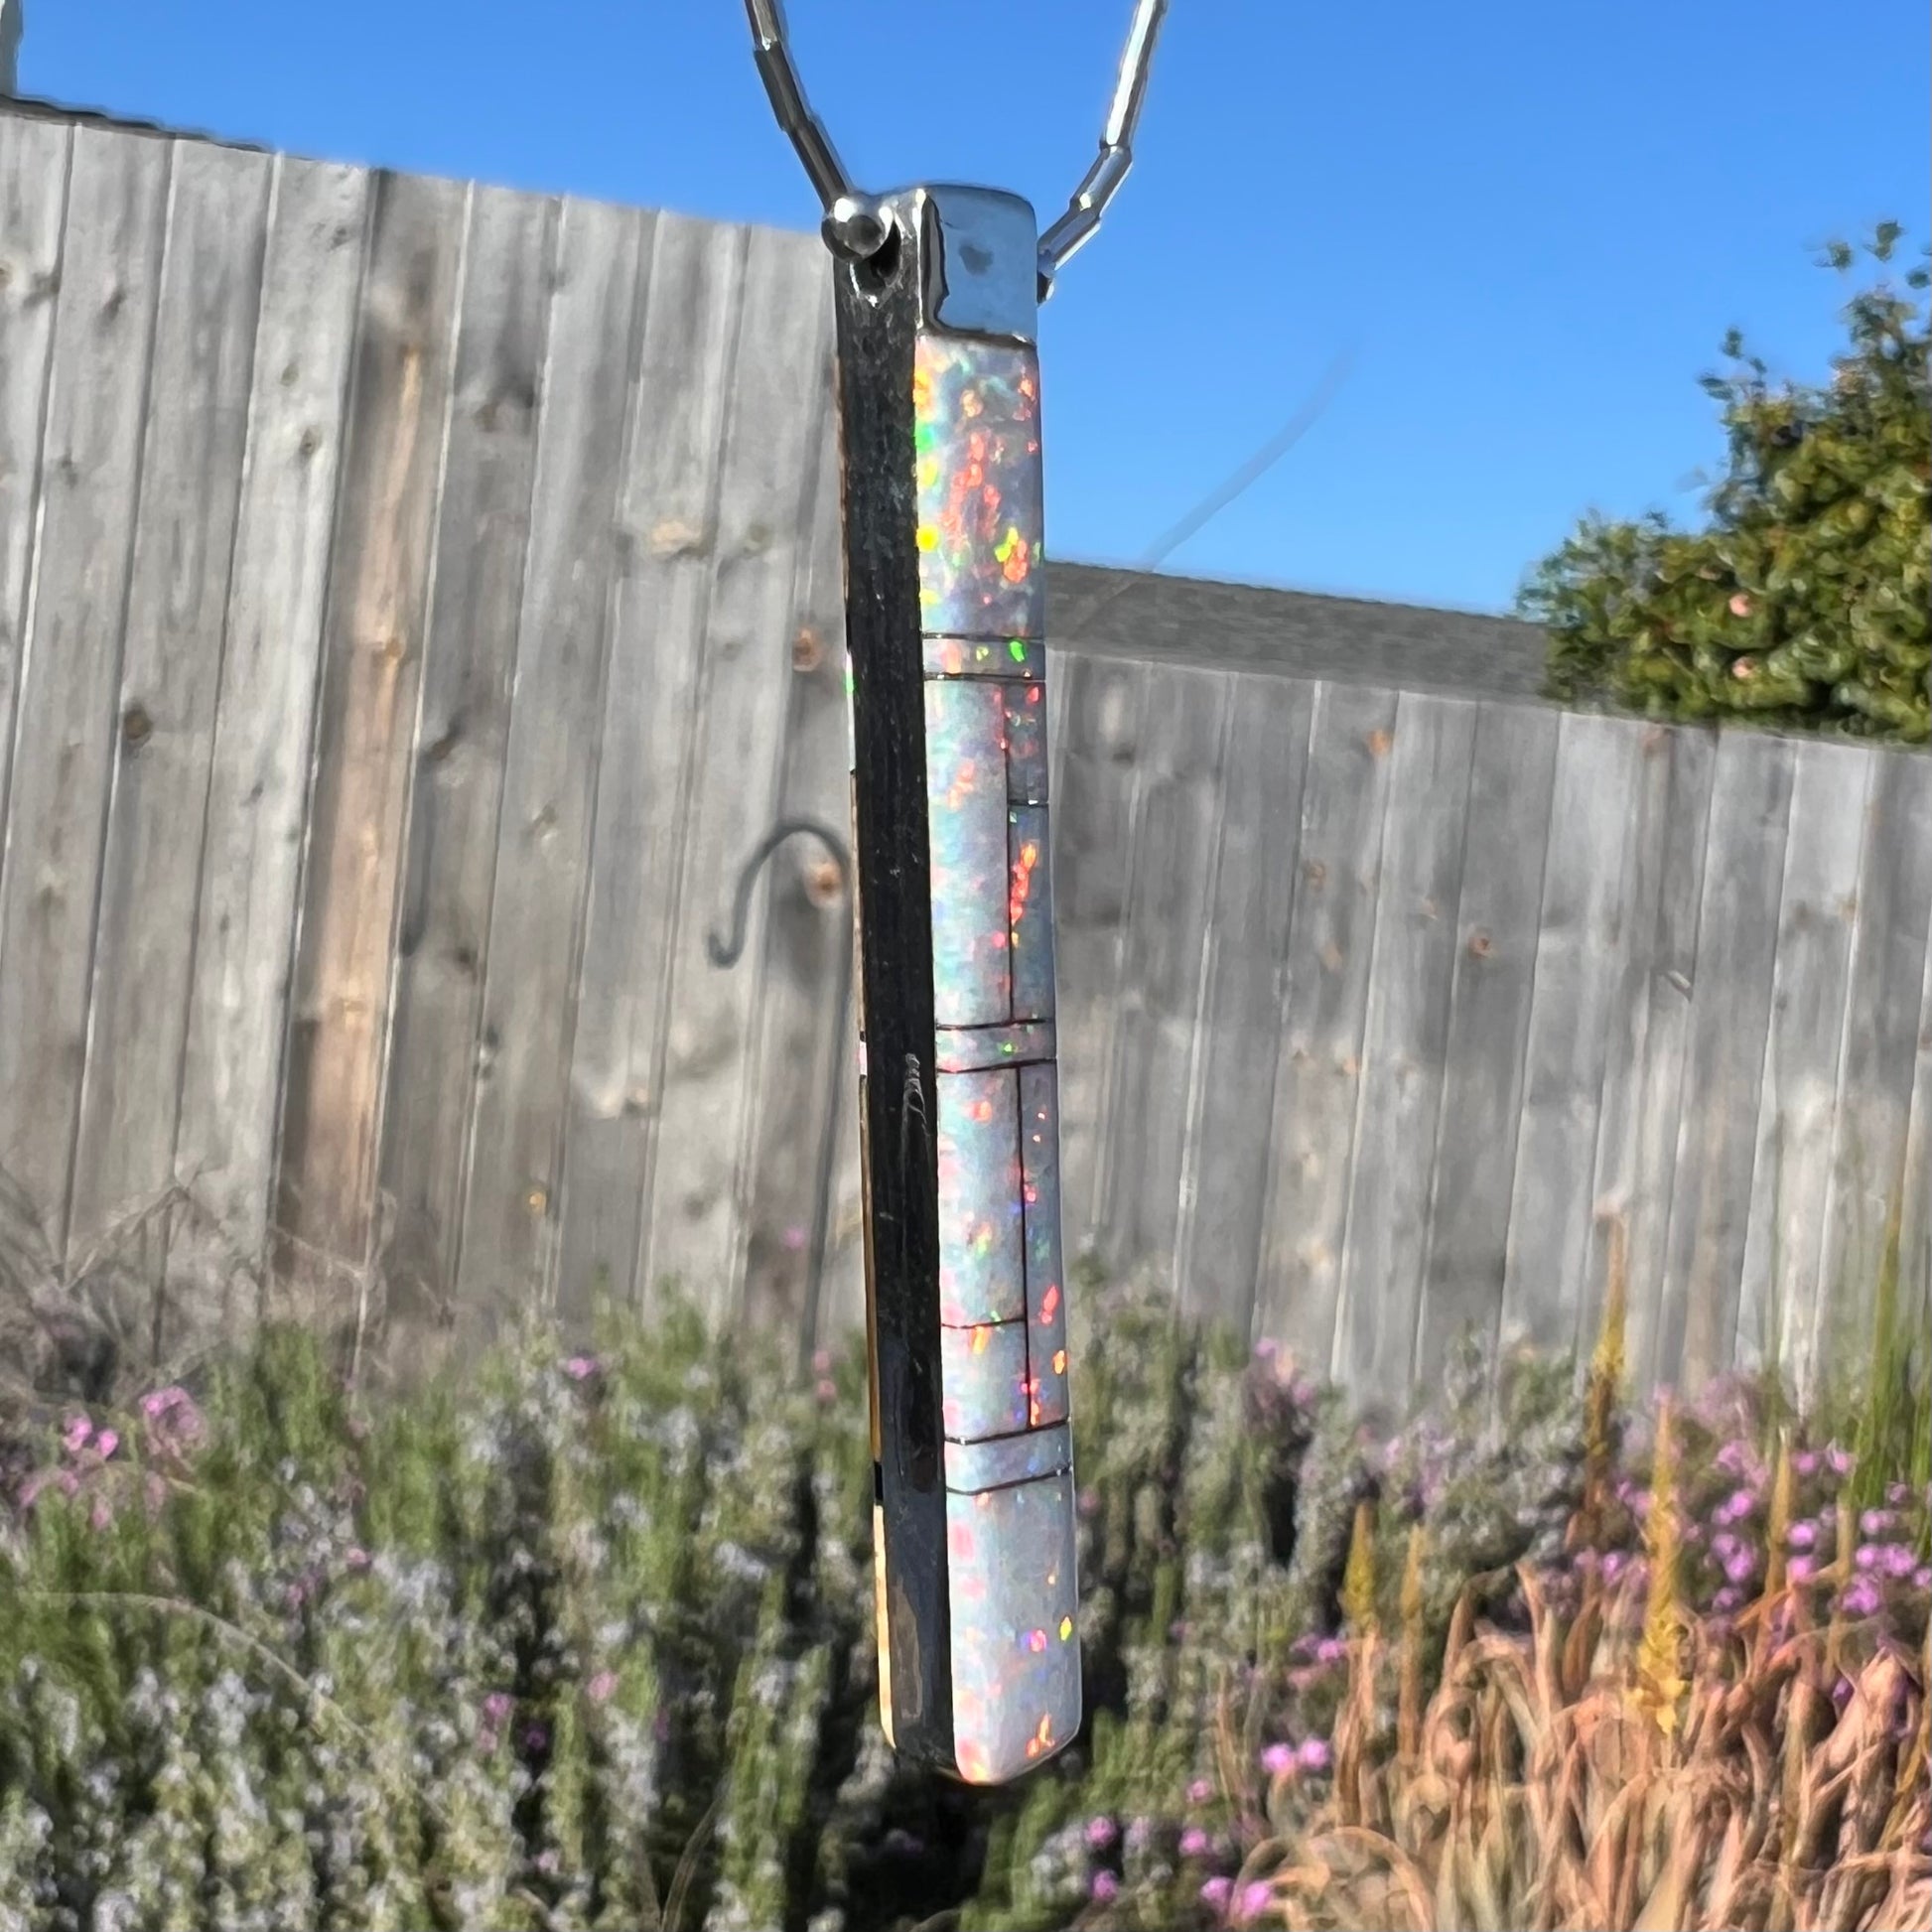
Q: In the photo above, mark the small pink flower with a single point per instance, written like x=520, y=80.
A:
x=1194, y=1843
x=1801, y=1536
x=99, y=1515
x=1253, y=1900
x=1726, y=1601
x=1313, y=1755
x=1613, y=1564
x=1199, y=1792
x=1278, y=1761
x=602, y=1686
x=1741, y=606
x=1896, y=1560
x=1101, y=1833
x=827, y=1391
x=78, y=1434
x=106, y=1443
x=1866, y=1557
x=1877, y=1522
x=496, y=1708
x=547, y=1860
x=1801, y=1569
x=1745, y=670
x=1922, y=1579
x=1741, y=1567
x=580, y=1368
x=1805, y=1462
x=1742, y=1503
x=1899, y=1494
x=356, y=1557
x=1330, y=1650
x=1215, y=1893
x=1105, y=1887
x=1839, y=1460
x=1862, y=1599
x=821, y=1362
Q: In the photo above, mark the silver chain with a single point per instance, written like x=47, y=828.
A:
x=855, y=224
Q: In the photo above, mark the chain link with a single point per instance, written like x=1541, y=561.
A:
x=854, y=223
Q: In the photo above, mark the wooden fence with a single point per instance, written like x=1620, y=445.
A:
x=417, y=600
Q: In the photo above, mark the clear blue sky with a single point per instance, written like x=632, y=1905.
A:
x=1532, y=224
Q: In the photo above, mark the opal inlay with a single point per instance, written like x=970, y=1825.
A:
x=981, y=1268
x=983, y=1380
x=966, y=816
x=1009, y=1459
x=976, y=429
x=964, y=1049
x=1039, y=1158
x=1026, y=743
x=1023, y=657
x=1030, y=904
x=1016, y=1663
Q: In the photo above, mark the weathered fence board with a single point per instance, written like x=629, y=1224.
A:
x=1405, y=1037
x=258, y=778
x=781, y=411
x=804, y=1046
x=668, y=515
x=550, y=761
x=1583, y=929
x=406, y=639
x=457, y=778
x=1915, y=1212
x=1615, y=1196
x=1171, y=841
x=70, y=677
x=1475, y=1161
x=1331, y=945
x=1731, y=1004
x=34, y=157
x=1225, y=1187
x=1876, y=1080
x=170, y=675
x=1096, y=711
x=366, y=716
x=1817, y=919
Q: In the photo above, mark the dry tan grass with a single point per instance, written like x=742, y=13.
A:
x=1539, y=1791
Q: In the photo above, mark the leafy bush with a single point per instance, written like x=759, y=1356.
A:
x=585, y=1640
x=1803, y=604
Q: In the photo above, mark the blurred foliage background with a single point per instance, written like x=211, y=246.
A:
x=1805, y=601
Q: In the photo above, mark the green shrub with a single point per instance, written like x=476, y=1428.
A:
x=1803, y=602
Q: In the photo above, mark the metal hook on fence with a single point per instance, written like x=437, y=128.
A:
x=726, y=952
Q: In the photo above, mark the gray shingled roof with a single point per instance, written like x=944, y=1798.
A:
x=1188, y=620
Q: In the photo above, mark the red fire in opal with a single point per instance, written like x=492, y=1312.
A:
x=1022, y=880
